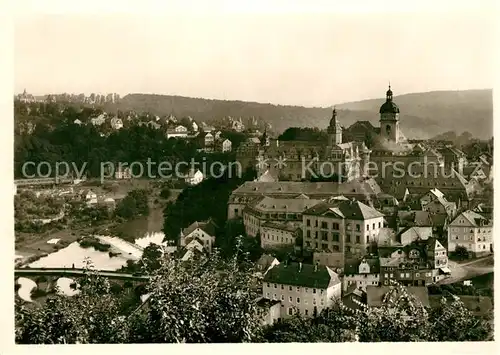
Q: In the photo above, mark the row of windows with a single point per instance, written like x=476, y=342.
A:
x=407, y=275
x=290, y=299
x=277, y=239
x=335, y=237
x=471, y=230
x=297, y=289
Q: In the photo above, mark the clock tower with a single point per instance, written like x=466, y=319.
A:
x=389, y=119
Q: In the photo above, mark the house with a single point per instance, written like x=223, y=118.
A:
x=435, y=202
x=202, y=233
x=278, y=210
x=123, y=173
x=271, y=310
x=301, y=288
x=266, y=262
x=78, y=122
x=99, y=120
x=390, y=295
x=226, y=145
x=341, y=226
x=361, y=273
x=237, y=125
x=208, y=140
x=89, y=196
x=420, y=263
x=472, y=231
x=178, y=132
x=194, y=177
x=194, y=126
x=476, y=171
x=116, y=123
x=278, y=234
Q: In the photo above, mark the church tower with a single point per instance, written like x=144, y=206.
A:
x=389, y=119
x=334, y=130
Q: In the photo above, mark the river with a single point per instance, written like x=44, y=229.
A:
x=148, y=229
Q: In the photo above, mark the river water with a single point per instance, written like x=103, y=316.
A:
x=148, y=229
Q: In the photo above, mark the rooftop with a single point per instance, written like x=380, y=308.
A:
x=344, y=209
x=303, y=275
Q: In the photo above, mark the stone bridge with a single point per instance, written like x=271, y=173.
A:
x=74, y=273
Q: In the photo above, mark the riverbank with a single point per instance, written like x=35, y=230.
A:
x=30, y=246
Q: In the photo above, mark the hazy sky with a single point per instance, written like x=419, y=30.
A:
x=312, y=60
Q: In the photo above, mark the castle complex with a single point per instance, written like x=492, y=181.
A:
x=419, y=167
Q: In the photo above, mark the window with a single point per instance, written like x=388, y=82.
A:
x=407, y=275
x=367, y=227
x=268, y=285
x=358, y=239
x=348, y=238
x=290, y=311
x=386, y=275
x=316, y=235
x=275, y=297
x=305, y=300
x=322, y=302
x=358, y=228
x=282, y=287
x=275, y=286
x=267, y=295
x=307, y=290
x=314, y=300
x=290, y=299
x=289, y=288
x=308, y=234
x=306, y=312
x=335, y=226
x=324, y=225
x=308, y=222
x=335, y=237
x=392, y=275
x=379, y=224
x=316, y=223
x=282, y=297
x=402, y=274
x=298, y=289
x=298, y=300
x=417, y=275
x=373, y=227
x=314, y=290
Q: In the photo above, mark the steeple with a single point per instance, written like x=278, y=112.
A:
x=265, y=141
x=388, y=94
x=334, y=130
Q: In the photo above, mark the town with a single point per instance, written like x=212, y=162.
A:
x=307, y=241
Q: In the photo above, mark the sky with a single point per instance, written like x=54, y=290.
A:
x=308, y=59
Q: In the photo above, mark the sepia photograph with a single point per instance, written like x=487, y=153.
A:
x=231, y=176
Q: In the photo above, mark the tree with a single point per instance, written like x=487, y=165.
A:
x=461, y=252
x=92, y=316
x=165, y=193
x=209, y=300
